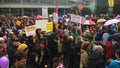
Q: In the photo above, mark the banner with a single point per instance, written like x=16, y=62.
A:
x=30, y=30
x=55, y=17
x=111, y=3
x=56, y=8
x=49, y=27
x=76, y=18
x=41, y=24
x=44, y=12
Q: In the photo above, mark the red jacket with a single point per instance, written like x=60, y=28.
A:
x=109, y=50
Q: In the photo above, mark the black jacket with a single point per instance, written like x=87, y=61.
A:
x=95, y=61
x=77, y=50
x=46, y=57
x=31, y=63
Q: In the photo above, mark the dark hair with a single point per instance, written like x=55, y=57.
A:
x=118, y=52
x=43, y=42
x=31, y=57
x=37, y=30
x=19, y=55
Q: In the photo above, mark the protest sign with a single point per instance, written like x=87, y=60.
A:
x=76, y=18
x=49, y=27
x=30, y=30
x=44, y=12
x=41, y=24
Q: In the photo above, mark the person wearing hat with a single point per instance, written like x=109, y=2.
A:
x=109, y=48
x=12, y=49
x=23, y=47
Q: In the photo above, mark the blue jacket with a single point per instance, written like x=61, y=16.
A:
x=115, y=64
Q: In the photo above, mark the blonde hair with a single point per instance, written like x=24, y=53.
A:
x=79, y=39
x=1, y=40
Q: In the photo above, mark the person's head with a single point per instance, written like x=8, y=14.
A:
x=110, y=38
x=20, y=59
x=1, y=40
x=38, y=31
x=79, y=39
x=23, y=47
x=87, y=32
x=98, y=49
x=96, y=43
x=86, y=46
x=70, y=38
x=55, y=60
x=33, y=57
x=42, y=44
x=15, y=42
x=117, y=53
x=15, y=33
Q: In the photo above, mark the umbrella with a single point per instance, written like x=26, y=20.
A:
x=101, y=20
x=39, y=17
x=3, y=16
x=112, y=21
x=25, y=17
x=88, y=22
x=116, y=37
x=117, y=17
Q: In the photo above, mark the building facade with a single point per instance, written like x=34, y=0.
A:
x=29, y=6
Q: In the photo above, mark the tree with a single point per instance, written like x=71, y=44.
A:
x=101, y=9
x=85, y=11
x=116, y=9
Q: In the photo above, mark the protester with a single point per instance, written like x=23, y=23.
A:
x=37, y=37
x=43, y=54
x=23, y=47
x=32, y=60
x=85, y=50
x=66, y=41
x=109, y=48
x=71, y=51
x=78, y=43
x=115, y=63
x=95, y=58
x=12, y=49
x=19, y=60
x=4, y=61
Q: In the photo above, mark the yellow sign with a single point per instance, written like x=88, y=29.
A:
x=111, y=3
x=49, y=27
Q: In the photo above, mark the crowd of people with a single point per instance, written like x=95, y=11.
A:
x=68, y=46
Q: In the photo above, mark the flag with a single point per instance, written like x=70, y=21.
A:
x=56, y=8
x=111, y=3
